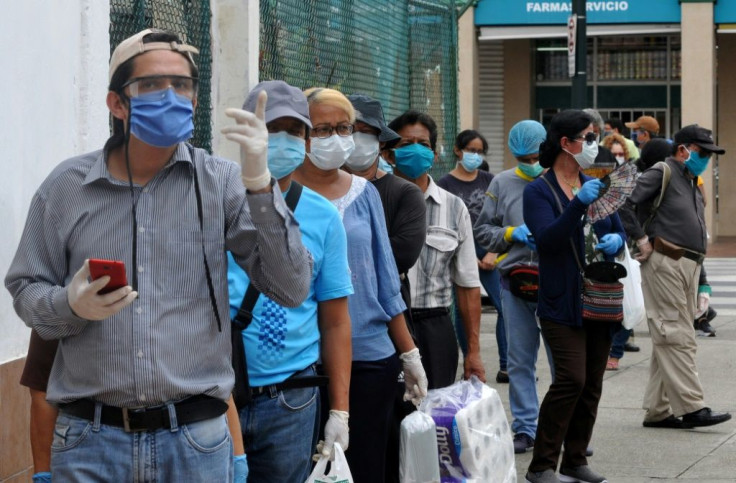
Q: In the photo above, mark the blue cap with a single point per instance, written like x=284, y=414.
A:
x=525, y=137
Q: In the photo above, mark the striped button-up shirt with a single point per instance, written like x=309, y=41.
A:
x=165, y=346
x=448, y=255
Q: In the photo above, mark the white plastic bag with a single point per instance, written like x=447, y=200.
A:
x=339, y=471
x=634, y=311
x=418, y=454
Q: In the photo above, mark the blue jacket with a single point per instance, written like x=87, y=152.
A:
x=560, y=281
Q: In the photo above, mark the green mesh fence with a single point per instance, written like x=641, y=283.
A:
x=188, y=18
x=401, y=52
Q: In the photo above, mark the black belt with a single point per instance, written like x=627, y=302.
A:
x=291, y=383
x=419, y=314
x=694, y=256
x=190, y=410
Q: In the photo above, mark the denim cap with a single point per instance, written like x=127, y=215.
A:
x=133, y=46
x=525, y=137
x=694, y=134
x=369, y=111
x=283, y=101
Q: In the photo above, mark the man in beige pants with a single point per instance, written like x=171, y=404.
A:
x=672, y=244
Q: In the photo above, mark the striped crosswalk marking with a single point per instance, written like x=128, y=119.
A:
x=722, y=278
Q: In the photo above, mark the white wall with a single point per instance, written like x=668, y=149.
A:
x=53, y=86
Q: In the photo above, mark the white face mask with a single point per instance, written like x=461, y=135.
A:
x=620, y=159
x=365, y=153
x=586, y=157
x=332, y=152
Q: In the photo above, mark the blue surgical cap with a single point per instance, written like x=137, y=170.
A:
x=525, y=137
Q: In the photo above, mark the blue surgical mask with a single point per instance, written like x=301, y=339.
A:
x=471, y=161
x=696, y=163
x=414, y=160
x=531, y=170
x=285, y=153
x=161, y=119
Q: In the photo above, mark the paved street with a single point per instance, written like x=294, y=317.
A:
x=629, y=453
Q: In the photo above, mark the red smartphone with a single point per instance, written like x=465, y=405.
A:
x=114, y=268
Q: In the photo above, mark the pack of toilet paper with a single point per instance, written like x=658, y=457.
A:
x=418, y=451
x=474, y=442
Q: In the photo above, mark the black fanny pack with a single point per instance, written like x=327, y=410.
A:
x=524, y=282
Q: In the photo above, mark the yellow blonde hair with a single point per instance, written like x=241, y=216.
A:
x=330, y=97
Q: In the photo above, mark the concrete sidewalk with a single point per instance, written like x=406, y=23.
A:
x=627, y=452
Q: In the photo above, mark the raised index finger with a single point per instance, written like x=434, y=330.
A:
x=261, y=105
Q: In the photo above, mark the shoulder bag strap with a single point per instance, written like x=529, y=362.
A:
x=559, y=207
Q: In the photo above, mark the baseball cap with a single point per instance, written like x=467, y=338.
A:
x=648, y=123
x=283, y=101
x=694, y=134
x=133, y=46
x=369, y=111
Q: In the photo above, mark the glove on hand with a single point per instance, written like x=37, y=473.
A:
x=610, y=243
x=42, y=477
x=240, y=467
x=590, y=190
x=87, y=304
x=336, y=430
x=415, y=379
x=251, y=133
x=703, y=300
x=522, y=234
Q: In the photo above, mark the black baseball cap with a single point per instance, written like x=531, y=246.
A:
x=700, y=136
x=369, y=111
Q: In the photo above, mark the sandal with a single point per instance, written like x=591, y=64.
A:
x=612, y=364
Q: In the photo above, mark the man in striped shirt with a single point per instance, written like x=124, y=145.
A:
x=447, y=259
x=150, y=363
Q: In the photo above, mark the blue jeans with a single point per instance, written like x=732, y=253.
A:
x=87, y=451
x=490, y=279
x=523, y=335
x=280, y=431
x=619, y=341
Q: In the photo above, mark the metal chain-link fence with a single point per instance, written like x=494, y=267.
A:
x=401, y=52
x=188, y=18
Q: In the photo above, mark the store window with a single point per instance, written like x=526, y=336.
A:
x=628, y=76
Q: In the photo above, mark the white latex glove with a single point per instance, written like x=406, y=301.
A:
x=251, y=133
x=415, y=379
x=703, y=304
x=336, y=431
x=87, y=304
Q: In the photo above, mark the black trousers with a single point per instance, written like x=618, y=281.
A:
x=569, y=408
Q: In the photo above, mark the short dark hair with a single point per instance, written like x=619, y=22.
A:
x=412, y=117
x=464, y=138
x=568, y=123
x=122, y=75
x=655, y=150
x=616, y=124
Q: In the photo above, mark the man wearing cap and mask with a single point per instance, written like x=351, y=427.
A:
x=646, y=128
x=282, y=345
x=672, y=241
x=148, y=365
x=405, y=214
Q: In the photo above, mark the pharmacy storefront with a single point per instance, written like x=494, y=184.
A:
x=642, y=56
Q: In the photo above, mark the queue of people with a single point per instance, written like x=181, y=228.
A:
x=339, y=279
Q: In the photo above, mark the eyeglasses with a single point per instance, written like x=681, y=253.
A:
x=154, y=84
x=323, y=131
x=589, y=138
x=474, y=151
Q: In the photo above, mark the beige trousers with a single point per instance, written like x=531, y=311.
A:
x=670, y=292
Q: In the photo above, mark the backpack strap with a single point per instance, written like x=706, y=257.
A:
x=666, y=176
x=241, y=321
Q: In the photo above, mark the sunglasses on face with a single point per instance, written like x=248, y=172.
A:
x=589, y=138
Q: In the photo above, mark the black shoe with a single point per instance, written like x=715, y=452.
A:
x=704, y=329
x=546, y=476
x=580, y=474
x=629, y=347
x=523, y=443
x=704, y=417
x=669, y=422
x=502, y=377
